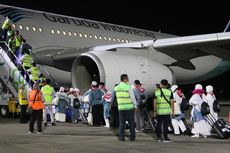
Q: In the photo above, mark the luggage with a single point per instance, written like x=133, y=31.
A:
x=83, y=116
x=152, y=120
x=60, y=117
x=68, y=115
x=205, y=109
x=76, y=103
x=216, y=106
x=220, y=127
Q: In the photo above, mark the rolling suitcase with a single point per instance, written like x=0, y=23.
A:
x=219, y=126
x=152, y=120
x=68, y=115
x=83, y=116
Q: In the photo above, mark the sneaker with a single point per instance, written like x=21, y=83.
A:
x=137, y=131
x=167, y=140
x=159, y=139
x=30, y=132
x=39, y=132
x=45, y=124
x=195, y=136
x=53, y=124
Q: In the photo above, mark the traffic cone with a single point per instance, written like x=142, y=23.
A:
x=229, y=117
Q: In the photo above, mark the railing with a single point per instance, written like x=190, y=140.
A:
x=41, y=65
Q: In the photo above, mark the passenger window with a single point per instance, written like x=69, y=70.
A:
x=34, y=29
x=58, y=32
x=20, y=27
x=27, y=28
x=40, y=29
x=52, y=31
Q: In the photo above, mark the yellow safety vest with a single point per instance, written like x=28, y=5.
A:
x=163, y=107
x=18, y=41
x=27, y=60
x=123, y=97
x=22, y=100
x=47, y=91
x=34, y=73
x=6, y=24
x=12, y=44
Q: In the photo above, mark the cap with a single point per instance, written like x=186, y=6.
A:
x=174, y=87
x=198, y=86
x=94, y=83
x=137, y=82
x=209, y=88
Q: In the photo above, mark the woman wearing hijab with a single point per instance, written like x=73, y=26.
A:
x=199, y=125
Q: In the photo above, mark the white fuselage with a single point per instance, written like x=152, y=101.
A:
x=42, y=30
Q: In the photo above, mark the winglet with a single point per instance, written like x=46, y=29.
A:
x=227, y=28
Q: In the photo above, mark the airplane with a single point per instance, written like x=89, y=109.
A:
x=76, y=51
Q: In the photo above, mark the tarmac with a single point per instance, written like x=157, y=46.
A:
x=72, y=138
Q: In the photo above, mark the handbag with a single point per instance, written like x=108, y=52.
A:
x=29, y=110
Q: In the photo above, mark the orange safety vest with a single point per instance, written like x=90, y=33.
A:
x=38, y=103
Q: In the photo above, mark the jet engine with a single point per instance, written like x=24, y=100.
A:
x=107, y=66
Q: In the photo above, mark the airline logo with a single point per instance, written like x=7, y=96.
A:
x=14, y=14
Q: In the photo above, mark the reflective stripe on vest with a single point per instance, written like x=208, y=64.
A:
x=35, y=103
x=34, y=73
x=123, y=97
x=22, y=100
x=163, y=107
x=47, y=93
x=27, y=60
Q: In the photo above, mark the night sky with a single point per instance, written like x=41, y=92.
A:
x=187, y=18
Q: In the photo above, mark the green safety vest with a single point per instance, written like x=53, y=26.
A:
x=18, y=41
x=6, y=24
x=34, y=73
x=123, y=97
x=162, y=106
x=22, y=100
x=47, y=92
x=12, y=44
x=27, y=60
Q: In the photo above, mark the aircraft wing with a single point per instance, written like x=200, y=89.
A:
x=183, y=49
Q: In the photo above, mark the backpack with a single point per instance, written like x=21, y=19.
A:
x=184, y=105
x=143, y=101
x=76, y=103
x=205, y=109
x=216, y=106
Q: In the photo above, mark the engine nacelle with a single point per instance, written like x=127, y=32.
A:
x=107, y=66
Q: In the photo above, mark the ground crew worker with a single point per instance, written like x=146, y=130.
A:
x=6, y=26
x=163, y=106
x=34, y=71
x=126, y=104
x=48, y=92
x=18, y=39
x=26, y=61
x=12, y=47
x=18, y=42
x=36, y=101
x=22, y=98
